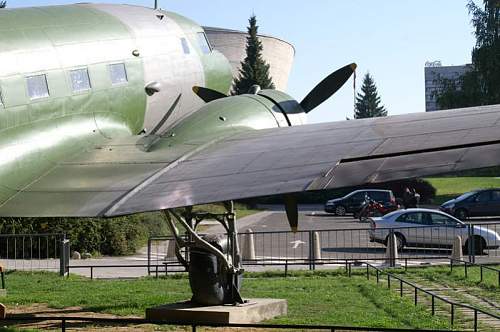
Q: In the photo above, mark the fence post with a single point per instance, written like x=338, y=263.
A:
x=64, y=258
x=470, y=248
x=401, y=288
x=433, y=307
x=481, y=272
x=452, y=318
x=63, y=325
x=311, y=250
x=465, y=267
x=475, y=320
x=416, y=296
x=149, y=256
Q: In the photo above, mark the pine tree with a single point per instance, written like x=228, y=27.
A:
x=3, y=4
x=368, y=101
x=254, y=70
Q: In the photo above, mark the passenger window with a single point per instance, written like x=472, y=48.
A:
x=118, y=73
x=483, y=197
x=80, y=80
x=495, y=195
x=203, y=41
x=37, y=86
x=358, y=196
x=415, y=218
x=439, y=219
x=185, y=46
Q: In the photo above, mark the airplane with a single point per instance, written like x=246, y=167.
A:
x=109, y=110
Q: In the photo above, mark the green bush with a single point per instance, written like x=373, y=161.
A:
x=114, y=236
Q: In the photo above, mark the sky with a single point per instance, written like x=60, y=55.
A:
x=391, y=39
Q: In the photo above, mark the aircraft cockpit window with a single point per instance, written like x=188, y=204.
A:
x=118, y=73
x=80, y=80
x=185, y=46
x=37, y=86
x=203, y=41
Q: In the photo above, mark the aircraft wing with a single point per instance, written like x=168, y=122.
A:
x=121, y=178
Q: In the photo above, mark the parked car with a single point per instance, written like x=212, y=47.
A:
x=477, y=203
x=430, y=228
x=352, y=202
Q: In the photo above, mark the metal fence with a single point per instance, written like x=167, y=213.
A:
x=34, y=252
x=74, y=322
x=310, y=248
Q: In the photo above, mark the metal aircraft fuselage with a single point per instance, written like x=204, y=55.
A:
x=73, y=77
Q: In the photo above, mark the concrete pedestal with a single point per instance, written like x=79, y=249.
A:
x=254, y=311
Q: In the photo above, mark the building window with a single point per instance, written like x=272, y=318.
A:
x=37, y=87
x=118, y=73
x=203, y=41
x=80, y=80
x=185, y=46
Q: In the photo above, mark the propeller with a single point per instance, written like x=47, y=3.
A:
x=321, y=92
x=208, y=95
x=327, y=87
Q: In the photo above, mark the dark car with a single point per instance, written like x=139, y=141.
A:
x=478, y=203
x=352, y=202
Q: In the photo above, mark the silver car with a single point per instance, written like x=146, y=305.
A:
x=430, y=228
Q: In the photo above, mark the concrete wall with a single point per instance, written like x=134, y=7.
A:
x=278, y=53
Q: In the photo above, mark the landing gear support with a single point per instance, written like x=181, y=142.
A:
x=213, y=261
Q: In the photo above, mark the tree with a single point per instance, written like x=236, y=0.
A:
x=3, y=4
x=254, y=70
x=368, y=101
x=481, y=84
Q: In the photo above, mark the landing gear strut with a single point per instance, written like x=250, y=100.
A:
x=213, y=261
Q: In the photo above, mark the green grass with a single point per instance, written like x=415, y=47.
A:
x=450, y=187
x=488, y=288
x=313, y=298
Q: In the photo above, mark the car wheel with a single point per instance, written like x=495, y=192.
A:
x=340, y=210
x=461, y=214
x=400, y=241
x=479, y=246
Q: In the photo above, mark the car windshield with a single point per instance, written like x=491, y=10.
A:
x=466, y=195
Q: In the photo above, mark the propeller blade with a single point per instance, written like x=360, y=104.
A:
x=207, y=94
x=326, y=88
x=292, y=211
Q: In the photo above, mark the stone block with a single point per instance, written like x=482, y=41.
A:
x=256, y=310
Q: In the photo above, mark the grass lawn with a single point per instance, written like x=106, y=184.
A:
x=488, y=288
x=451, y=187
x=313, y=298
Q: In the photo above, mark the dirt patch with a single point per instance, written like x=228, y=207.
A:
x=42, y=310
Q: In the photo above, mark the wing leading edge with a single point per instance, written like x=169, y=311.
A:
x=266, y=162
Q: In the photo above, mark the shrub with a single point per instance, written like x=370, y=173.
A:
x=114, y=236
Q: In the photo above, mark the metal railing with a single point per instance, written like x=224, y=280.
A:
x=34, y=251
x=482, y=267
x=64, y=322
x=433, y=296
x=364, y=243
